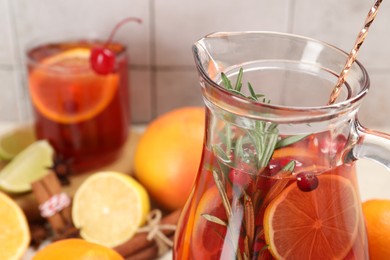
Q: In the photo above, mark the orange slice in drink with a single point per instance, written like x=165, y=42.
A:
x=320, y=224
x=295, y=152
x=208, y=234
x=64, y=89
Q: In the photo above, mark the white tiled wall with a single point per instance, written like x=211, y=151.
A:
x=162, y=72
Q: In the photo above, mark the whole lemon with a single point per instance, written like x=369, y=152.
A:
x=168, y=155
x=377, y=216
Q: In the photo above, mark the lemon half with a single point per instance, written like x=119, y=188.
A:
x=109, y=207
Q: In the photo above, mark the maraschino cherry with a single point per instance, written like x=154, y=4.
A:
x=102, y=59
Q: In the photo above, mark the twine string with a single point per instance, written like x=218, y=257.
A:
x=154, y=230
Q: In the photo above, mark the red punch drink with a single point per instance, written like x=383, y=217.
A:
x=84, y=115
x=272, y=208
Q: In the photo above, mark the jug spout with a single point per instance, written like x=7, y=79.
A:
x=217, y=51
x=206, y=63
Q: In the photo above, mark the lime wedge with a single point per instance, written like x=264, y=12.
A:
x=29, y=165
x=15, y=141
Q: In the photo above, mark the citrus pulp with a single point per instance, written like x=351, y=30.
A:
x=320, y=224
x=15, y=234
x=109, y=207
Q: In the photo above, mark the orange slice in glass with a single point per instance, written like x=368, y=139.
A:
x=64, y=89
x=320, y=224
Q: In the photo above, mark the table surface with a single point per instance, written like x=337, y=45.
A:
x=373, y=179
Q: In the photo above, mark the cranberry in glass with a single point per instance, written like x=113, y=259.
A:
x=307, y=181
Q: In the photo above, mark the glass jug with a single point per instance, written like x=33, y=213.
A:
x=277, y=178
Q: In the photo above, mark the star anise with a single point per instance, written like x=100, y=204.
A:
x=39, y=233
x=69, y=232
x=62, y=167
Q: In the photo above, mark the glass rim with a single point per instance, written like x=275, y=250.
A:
x=326, y=110
x=92, y=38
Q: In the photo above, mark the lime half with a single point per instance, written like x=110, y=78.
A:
x=15, y=141
x=29, y=165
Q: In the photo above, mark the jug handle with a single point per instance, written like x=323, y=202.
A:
x=371, y=144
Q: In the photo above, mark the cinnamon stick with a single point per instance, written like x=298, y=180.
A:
x=46, y=189
x=52, y=180
x=140, y=242
x=150, y=252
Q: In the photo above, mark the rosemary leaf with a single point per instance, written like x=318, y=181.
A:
x=252, y=91
x=228, y=131
x=214, y=219
x=236, y=92
x=269, y=148
x=289, y=167
x=272, y=127
x=260, y=126
x=289, y=140
x=223, y=194
x=239, y=80
x=221, y=154
x=238, y=151
x=249, y=219
x=226, y=82
x=255, y=141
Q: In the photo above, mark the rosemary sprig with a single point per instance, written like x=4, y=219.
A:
x=223, y=194
x=249, y=219
x=254, y=147
x=264, y=137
